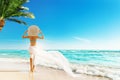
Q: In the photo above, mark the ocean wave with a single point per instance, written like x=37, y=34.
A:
x=95, y=70
x=97, y=63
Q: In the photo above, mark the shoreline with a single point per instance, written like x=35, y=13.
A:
x=21, y=70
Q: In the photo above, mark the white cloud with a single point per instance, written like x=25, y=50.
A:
x=82, y=40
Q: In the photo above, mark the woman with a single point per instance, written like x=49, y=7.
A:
x=38, y=56
x=33, y=32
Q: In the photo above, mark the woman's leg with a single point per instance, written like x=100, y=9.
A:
x=31, y=64
x=32, y=58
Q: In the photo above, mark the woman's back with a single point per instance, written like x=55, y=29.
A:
x=33, y=40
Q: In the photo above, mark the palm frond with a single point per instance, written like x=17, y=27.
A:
x=22, y=8
x=24, y=14
x=16, y=20
x=11, y=9
x=3, y=5
x=14, y=7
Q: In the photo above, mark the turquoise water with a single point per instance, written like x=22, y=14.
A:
x=102, y=57
x=91, y=62
x=93, y=57
x=14, y=54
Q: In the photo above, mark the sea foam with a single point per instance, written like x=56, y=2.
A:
x=103, y=63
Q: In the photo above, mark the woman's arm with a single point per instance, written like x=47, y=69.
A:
x=42, y=36
x=25, y=34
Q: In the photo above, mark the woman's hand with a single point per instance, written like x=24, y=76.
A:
x=25, y=34
x=40, y=31
x=41, y=35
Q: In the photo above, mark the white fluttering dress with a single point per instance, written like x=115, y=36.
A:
x=51, y=58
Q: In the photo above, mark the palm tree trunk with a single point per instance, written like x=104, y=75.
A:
x=2, y=22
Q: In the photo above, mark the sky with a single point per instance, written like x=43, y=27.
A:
x=68, y=24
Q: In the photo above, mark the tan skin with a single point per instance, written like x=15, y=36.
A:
x=32, y=43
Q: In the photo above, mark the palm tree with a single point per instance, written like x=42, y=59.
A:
x=11, y=10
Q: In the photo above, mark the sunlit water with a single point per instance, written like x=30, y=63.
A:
x=93, y=62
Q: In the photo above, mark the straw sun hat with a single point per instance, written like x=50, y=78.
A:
x=33, y=30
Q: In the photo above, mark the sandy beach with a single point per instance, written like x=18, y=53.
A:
x=20, y=71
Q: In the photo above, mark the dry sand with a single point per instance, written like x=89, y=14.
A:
x=20, y=71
